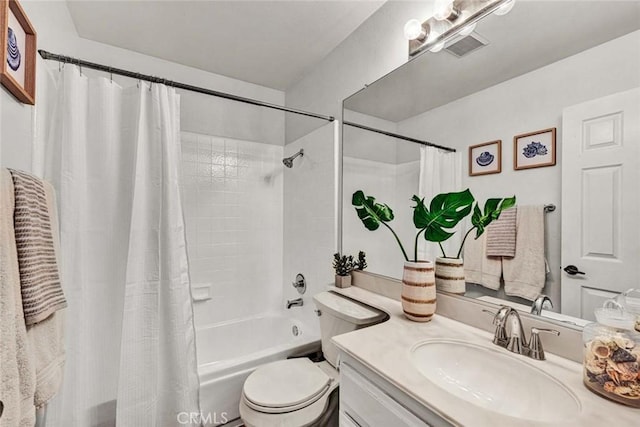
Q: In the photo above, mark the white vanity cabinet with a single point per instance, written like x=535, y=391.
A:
x=368, y=400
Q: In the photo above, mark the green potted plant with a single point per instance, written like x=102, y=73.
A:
x=418, y=278
x=449, y=271
x=343, y=265
x=435, y=223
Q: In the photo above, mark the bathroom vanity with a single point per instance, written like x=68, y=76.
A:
x=403, y=373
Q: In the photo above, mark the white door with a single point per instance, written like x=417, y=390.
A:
x=600, y=201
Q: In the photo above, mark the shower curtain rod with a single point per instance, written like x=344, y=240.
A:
x=395, y=135
x=112, y=70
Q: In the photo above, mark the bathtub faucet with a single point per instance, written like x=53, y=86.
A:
x=295, y=303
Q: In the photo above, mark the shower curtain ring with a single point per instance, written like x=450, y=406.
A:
x=110, y=75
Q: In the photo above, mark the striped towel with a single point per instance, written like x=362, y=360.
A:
x=501, y=235
x=39, y=278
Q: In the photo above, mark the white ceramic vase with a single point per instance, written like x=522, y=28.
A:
x=450, y=275
x=418, y=291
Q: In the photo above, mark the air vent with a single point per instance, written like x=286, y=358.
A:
x=466, y=45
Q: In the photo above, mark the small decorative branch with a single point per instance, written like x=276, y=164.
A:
x=361, y=264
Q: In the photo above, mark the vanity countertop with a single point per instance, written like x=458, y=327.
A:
x=385, y=348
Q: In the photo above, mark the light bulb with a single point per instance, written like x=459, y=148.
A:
x=468, y=29
x=413, y=29
x=505, y=8
x=443, y=9
x=437, y=47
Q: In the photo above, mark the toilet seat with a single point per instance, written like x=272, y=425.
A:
x=286, y=386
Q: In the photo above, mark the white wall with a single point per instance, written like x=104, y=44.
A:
x=225, y=181
x=374, y=49
x=524, y=104
x=392, y=184
x=309, y=215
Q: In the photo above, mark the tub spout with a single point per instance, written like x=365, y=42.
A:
x=295, y=303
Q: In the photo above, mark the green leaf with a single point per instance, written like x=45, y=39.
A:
x=436, y=234
x=445, y=212
x=492, y=210
x=371, y=213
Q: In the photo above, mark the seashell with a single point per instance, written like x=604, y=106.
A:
x=609, y=386
x=596, y=366
x=485, y=158
x=600, y=349
x=622, y=355
x=626, y=367
x=623, y=342
x=614, y=375
x=627, y=392
x=13, y=52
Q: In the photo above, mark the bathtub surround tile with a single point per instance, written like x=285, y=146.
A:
x=309, y=218
x=225, y=243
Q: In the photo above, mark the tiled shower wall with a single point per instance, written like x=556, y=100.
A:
x=233, y=205
x=309, y=215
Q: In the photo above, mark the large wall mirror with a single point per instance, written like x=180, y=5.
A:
x=572, y=66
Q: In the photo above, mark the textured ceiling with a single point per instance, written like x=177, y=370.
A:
x=270, y=43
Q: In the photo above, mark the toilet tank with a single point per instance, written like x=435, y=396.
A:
x=339, y=315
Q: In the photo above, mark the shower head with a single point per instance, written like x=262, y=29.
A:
x=288, y=161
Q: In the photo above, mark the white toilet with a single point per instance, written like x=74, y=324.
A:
x=296, y=392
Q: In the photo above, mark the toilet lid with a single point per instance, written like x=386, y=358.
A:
x=286, y=385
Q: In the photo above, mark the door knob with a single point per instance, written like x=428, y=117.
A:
x=572, y=270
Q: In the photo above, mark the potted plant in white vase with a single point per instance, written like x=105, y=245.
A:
x=418, y=279
x=449, y=271
x=435, y=223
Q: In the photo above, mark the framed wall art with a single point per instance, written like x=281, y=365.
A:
x=535, y=149
x=485, y=158
x=18, y=70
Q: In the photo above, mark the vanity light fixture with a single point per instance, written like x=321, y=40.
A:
x=414, y=30
x=468, y=29
x=445, y=9
x=438, y=47
x=505, y=8
x=451, y=18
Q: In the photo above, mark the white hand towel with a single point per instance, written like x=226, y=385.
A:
x=525, y=273
x=478, y=268
x=17, y=373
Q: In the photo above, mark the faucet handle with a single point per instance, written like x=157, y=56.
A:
x=535, y=345
x=500, y=335
x=300, y=284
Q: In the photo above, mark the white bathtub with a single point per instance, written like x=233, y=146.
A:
x=228, y=352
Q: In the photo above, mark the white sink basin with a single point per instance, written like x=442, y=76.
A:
x=493, y=380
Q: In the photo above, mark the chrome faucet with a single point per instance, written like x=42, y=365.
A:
x=295, y=303
x=538, y=304
x=516, y=341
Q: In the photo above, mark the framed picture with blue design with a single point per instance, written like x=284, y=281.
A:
x=18, y=38
x=486, y=158
x=534, y=149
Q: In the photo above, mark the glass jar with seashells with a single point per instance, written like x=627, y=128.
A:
x=612, y=356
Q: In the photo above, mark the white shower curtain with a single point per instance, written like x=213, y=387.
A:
x=113, y=155
x=440, y=172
